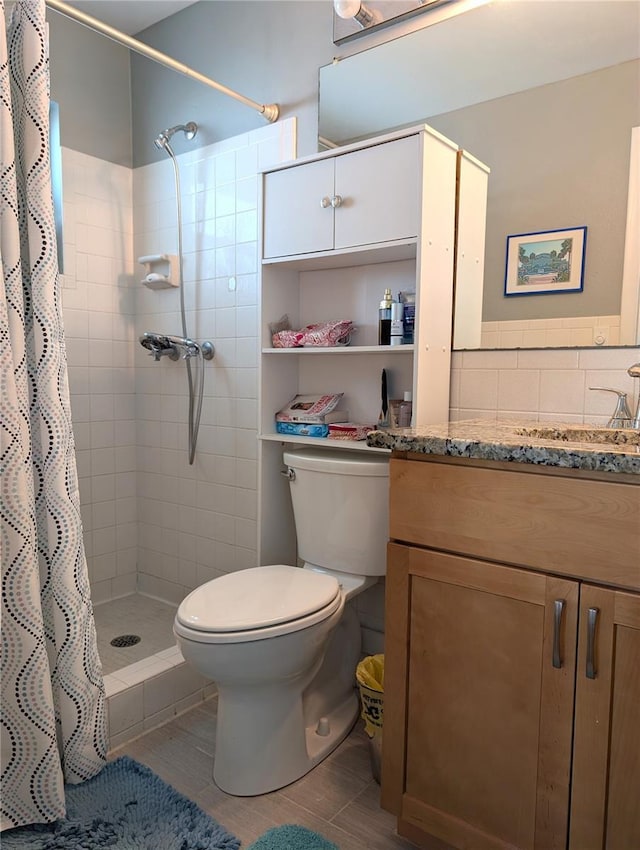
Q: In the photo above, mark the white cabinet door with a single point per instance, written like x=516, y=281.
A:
x=360, y=198
x=379, y=187
x=295, y=220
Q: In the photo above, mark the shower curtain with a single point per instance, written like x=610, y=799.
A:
x=53, y=704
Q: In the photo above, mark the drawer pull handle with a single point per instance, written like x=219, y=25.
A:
x=558, y=610
x=592, y=619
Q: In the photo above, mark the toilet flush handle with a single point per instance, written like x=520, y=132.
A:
x=289, y=474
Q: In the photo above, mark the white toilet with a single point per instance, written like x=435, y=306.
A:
x=280, y=641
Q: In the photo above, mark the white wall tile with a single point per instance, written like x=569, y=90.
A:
x=125, y=710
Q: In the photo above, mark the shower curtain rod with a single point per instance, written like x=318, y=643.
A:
x=270, y=111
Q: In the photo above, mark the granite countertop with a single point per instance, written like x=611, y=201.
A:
x=546, y=444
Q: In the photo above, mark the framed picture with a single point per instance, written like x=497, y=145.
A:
x=545, y=262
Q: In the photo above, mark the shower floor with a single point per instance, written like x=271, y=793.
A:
x=150, y=619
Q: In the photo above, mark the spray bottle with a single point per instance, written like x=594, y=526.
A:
x=384, y=319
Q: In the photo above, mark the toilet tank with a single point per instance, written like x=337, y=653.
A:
x=341, y=509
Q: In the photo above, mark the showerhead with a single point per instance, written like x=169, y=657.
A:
x=190, y=129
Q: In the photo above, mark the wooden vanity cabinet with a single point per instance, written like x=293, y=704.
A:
x=495, y=737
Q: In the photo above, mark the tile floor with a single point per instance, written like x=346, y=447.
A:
x=149, y=618
x=338, y=799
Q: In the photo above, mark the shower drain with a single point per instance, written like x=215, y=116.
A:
x=125, y=640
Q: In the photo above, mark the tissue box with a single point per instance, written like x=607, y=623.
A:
x=303, y=429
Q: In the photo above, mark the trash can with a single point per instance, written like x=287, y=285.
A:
x=370, y=679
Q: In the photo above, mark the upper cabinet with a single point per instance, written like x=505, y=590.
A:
x=363, y=197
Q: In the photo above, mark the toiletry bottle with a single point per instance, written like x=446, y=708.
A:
x=384, y=319
x=397, y=326
x=409, y=301
x=406, y=409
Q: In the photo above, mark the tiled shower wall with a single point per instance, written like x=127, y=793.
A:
x=150, y=520
x=98, y=308
x=198, y=522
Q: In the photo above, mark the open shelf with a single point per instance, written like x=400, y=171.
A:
x=323, y=442
x=384, y=252
x=342, y=349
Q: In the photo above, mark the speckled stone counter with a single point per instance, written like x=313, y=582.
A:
x=544, y=444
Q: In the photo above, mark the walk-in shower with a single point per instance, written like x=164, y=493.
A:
x=175, y=347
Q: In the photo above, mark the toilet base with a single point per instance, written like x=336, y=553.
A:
x=276, y=760
x=270, y=734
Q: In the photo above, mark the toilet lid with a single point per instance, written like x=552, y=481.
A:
x=257, y=598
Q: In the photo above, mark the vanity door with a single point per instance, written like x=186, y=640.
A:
x=477, y=750
x=605, y=798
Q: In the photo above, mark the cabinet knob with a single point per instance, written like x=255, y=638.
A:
x=336, y=201
x=325, y=202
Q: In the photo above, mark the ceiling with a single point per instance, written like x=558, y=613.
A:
x=130, y=16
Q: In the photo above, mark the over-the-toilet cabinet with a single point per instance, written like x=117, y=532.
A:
x=512, y=720
x=337, y=229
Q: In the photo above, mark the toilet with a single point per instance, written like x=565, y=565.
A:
x=282, y=642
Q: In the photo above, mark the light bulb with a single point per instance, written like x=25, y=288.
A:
x=346, y=8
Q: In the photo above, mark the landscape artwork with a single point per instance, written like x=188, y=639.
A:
x=545, y=262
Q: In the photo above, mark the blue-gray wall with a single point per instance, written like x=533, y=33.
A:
x=266, y=51
x=91, y=81
x=112, y=103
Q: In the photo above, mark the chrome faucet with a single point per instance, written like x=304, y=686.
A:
x=622, y=416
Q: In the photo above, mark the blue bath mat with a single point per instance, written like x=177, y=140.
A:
x=291, y=837
x=125, y=807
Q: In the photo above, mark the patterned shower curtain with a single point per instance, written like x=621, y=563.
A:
x=53, y=704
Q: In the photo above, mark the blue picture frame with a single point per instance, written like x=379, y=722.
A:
x=545, y=262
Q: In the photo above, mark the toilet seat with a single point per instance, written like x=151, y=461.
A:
x=256, y=604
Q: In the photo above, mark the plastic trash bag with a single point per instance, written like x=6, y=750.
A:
x=370, y=679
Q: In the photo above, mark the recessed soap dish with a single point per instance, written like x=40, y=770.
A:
x=161, y=271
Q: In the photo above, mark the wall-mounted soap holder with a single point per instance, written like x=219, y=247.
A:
x=161, y=271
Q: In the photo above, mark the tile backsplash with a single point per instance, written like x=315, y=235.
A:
x=541, y=384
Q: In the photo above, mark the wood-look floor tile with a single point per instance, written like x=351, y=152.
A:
x=179, y=772
x=353, y=752
x=365, y=818
x=326, y=790
x=281, y=810
x=200, y=723
x=338, y=799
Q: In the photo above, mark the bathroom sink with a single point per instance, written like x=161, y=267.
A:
x=583, y=434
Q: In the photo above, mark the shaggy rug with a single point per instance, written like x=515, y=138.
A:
x=125, y=807
x=291, y=837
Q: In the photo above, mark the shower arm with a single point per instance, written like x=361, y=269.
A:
x=270, y=111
